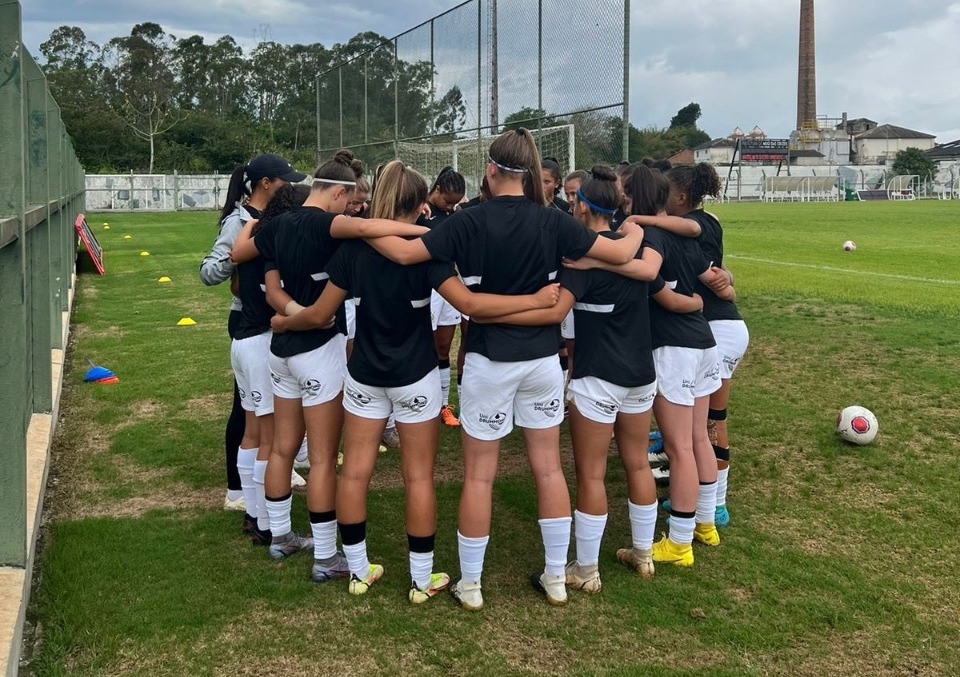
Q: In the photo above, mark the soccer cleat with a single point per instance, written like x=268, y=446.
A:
x=640, y=561
x=438, y=582
x=661, y=476
x=468, y=595
x=249, y=524
x=583, y=578
x=668, y=552
x=359, y=586
x=296, y=480
x=553, y=587
x=391, y=437
x=706, y=534
x=258, y=537
x=321, y=573
x=721, y=517
x=289, y=544
x=234, y=504
x=665, y=505
x=657, y=457
x=448, y=418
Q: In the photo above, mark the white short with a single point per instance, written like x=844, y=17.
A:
x=442, y=314
x=732, y=340
x=567, y=329
x=350, y=308
x=601, y=400
x=415, y=403
x=684, y=374
x=497, y=393
x=250, y=358
x=314, y=377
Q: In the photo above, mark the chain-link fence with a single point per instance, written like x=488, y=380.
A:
x=438, y=94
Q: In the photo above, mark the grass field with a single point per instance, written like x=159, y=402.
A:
x=839, y=560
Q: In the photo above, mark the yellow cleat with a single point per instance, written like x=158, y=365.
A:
x=668, y=552
x=706, y=534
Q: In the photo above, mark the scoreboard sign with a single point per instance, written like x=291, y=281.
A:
x=89, y=241
x=764, y=150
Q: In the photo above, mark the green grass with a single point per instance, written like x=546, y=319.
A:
x=839, y=561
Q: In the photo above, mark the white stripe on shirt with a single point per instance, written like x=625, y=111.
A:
x=595, y=307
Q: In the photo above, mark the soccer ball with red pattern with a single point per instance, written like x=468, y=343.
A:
x=857, y=425
x=849, y=246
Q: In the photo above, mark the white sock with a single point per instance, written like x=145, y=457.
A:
x=421, y=566
x=460, y=395
x=245, y=460
x=259, y=473
x=471, y=552
x=681, y=530
x=722, y=486
x=588, y=530
x=357, y=558
x=279, y=513
x=302, y=451
x=643, y=524
x=555, y=532
x=325, y=540
x=445, y=387
x=706, y=503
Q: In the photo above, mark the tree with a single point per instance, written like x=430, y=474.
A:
x=143, y=83
x=914, y=161
x=451, y=112
x=686, y=116
x=525, y=117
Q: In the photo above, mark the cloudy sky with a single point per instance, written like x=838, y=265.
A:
x=894, y=62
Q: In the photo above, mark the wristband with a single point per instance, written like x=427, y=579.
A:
x=292, y=308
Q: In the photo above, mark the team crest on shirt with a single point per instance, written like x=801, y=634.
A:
x=549, y=408
x=312, y=385
x=255, y=394
x=495, y=421
x=416, y=404
x=358, y=397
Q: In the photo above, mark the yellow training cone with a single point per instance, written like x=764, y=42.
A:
x=186, y=322
x=164, y=280
x=144, y=253
x=127, y=237
x=106, y=226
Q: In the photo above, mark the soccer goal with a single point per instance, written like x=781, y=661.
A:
x=469, y=155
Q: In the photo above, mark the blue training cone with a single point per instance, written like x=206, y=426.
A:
x=97, y=373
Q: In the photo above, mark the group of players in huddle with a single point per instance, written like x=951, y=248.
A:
x=630, y=264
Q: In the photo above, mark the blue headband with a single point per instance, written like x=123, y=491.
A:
x=598, y=210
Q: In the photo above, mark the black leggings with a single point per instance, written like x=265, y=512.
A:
x=237, y=421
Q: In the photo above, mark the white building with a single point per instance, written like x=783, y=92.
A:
x=716, y=152
x=880, y=145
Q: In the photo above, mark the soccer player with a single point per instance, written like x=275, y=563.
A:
x=552, y=183
x=688, y=188
x=250, y=189
x=512, y=244
x=308, y=366
x=445, y=194
x=249, y=353
x=393, y=368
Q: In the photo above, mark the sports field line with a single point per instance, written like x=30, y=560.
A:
x=832, y=269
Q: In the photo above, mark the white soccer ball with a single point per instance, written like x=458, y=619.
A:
x=857, y=425
x=849, y=246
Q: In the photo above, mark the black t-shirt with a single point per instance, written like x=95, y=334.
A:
x=256, y=312
x=472, y=202
x=711, y=242
x=617, y=220
x=683, y=261
x=394, y=339
x=511, y=246
x=298, y=244
x=436, y=218
x=613, y=326
x=561, y=204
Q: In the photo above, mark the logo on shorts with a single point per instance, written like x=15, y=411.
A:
x=243, y=393
x=495, y=421
x=714, y=373
x=275, y=377
x=607, y=407
x=255, y=394
x=688, y=385
x=731, y=361
x=312, y=385
x=647, y=397
x=549, y=408
x=416, y=404
x=358, y=397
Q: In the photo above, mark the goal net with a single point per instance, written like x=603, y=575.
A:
x=469, y=155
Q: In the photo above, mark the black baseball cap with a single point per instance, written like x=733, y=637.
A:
x=272, y=166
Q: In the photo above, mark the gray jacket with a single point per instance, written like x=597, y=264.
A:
x=216, y=266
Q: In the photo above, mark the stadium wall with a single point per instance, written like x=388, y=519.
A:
x=41, y=191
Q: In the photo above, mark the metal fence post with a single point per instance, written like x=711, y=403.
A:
x=13, y=367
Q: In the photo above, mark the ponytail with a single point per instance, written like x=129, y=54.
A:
x=517, y=151
x=449, y=180
x=399, y=192
x=237, y=190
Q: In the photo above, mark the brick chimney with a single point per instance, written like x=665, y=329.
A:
x=807, y=70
